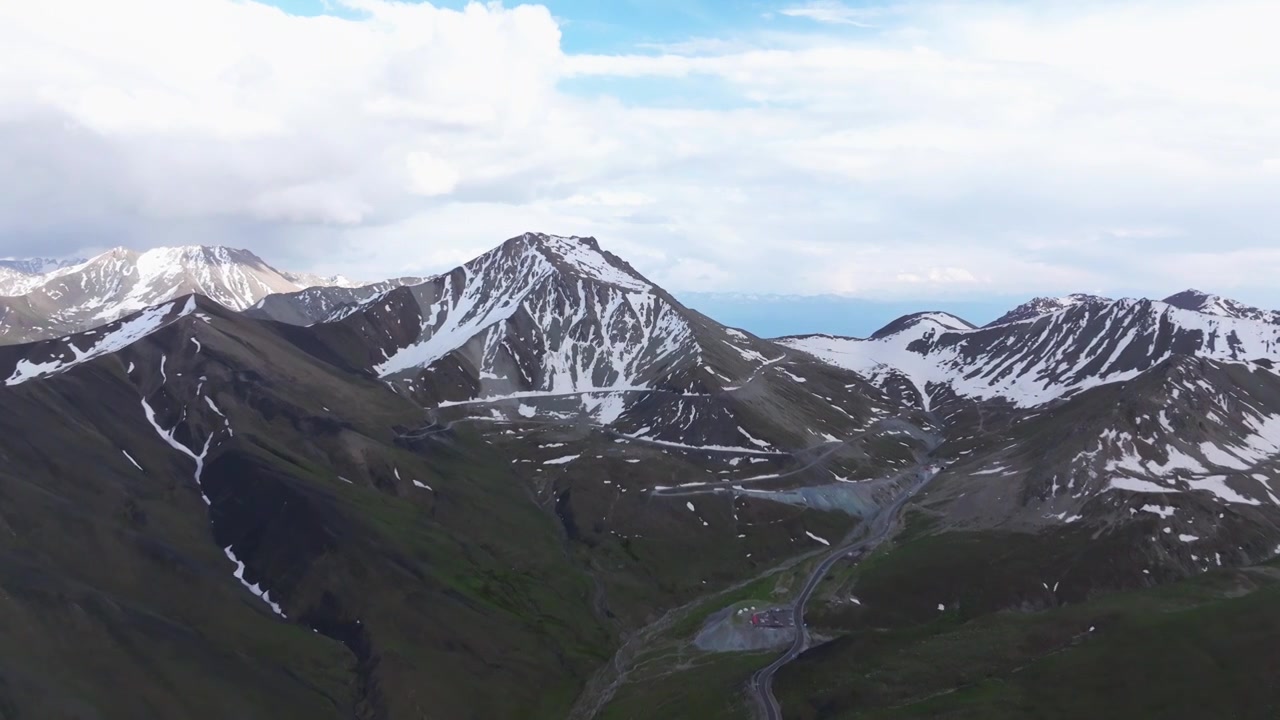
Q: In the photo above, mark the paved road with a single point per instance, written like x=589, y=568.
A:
x=761, y=685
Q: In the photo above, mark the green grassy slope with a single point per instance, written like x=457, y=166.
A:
x=458, y=601
x=1196, y=648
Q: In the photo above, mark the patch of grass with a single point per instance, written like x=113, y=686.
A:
x=1217, y=659
x=1202, y=647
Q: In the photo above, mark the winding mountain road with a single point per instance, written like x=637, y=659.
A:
x=761, y=684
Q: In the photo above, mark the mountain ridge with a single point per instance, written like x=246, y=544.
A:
x=1038, y=359
x=120, y=281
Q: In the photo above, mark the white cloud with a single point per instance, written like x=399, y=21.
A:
x=828, y=11
x=429, y=175
x=608, y=198
x=952, y=150
x=941, y=276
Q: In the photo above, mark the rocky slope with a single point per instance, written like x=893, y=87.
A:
x=1193, y=442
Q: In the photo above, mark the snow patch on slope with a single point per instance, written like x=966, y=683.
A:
x=107, y=340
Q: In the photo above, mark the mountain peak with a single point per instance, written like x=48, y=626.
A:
x=121, y=281
x=942, y=320
x=1191, y=299
x=580, y=256
x=542, y=237
x=1039, y=306
x=205, y=254
x=1211, y=304
x=118, y=252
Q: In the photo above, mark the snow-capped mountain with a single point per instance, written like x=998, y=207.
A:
x=1036, y=307
x=1209, y=304
x=1191, y=448
x=1030, y=362
x=18, y=276
x=943, y=320
x=121, y=281
x=309, y=280
x=555, y=325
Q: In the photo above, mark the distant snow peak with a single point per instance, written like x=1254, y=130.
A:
x=38, y=266
x=20, y=275
x=1040, y=306
x=309, y=280
x=121, y=281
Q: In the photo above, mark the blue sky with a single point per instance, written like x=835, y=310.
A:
x=889, y=155
x=595, y=26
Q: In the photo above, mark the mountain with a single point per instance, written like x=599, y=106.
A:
x=121, y=281
x=1076, y=531
x=1193, y=434
x=1202, y=302
x=38, y=266
x=309, y=280
x=1096, y=415
x=539, y=486
x=323, y=302
x=1111, y=473
x=554, y=324
x=17, y=276
x=1036, y=307
x=1034, y=361
x=361, y=517
x=945, y=321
